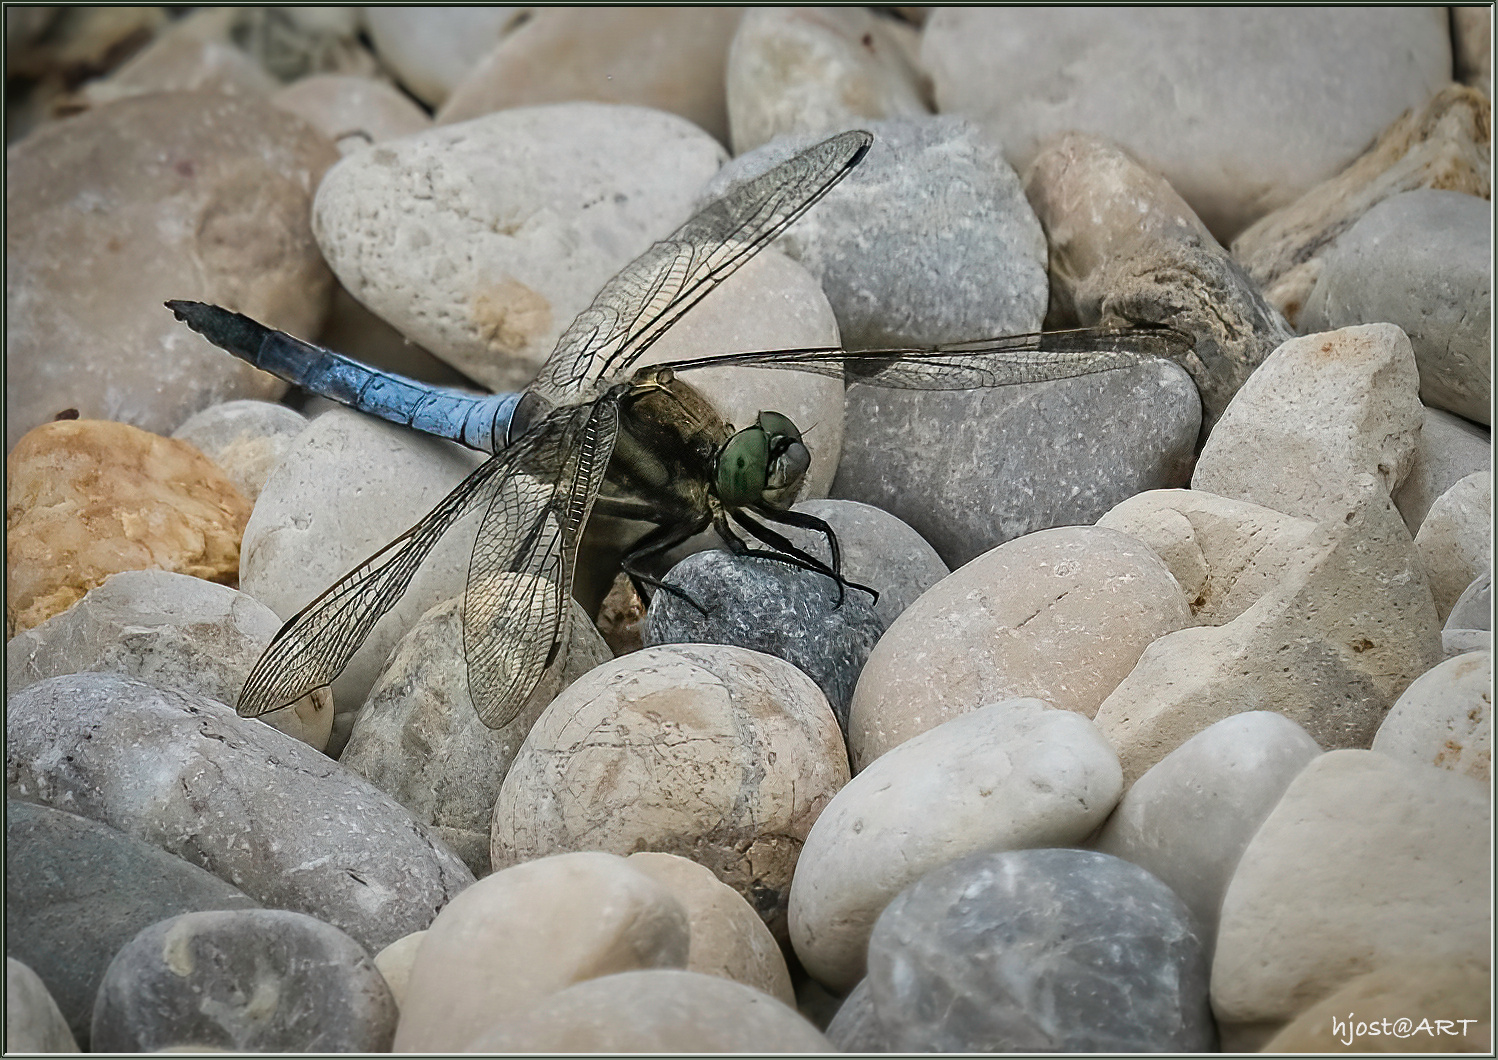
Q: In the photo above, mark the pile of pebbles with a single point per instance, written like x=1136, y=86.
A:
x=1169, y=729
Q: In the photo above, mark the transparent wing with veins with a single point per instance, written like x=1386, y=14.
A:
x=316, y=644
x=1005, y=361
x=653, y=291
x=514, y=627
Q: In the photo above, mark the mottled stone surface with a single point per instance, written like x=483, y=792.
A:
x=419, y=738
x=1442, y=143
x=1252, y=122
x=170, y=195
x=929, y=240
x=1188, y=820
x=1445, y=718
x=250, y=804
x=1322, y=411
x=771, y=607
x=1125, y=248
x=1474, y=608
x=1224, y=553
x=856, y=1028
x=245, y=438
x=1005, y=776
x=670, y=59
x=969, y=470
x=1039, y=950
x=547, y=202
x=514, y=938
x=1061, y=615
x=247, y=980
x=818, y=70
x=1450, y=448
x=719, y=754
x=1365, y=863
x=77, y=891
x=353, y=112
x=1421, y=260
x=169, y=630
x=349, y=485
x=659, y=1011
x=1455, y=541
x=33, y=1023
x=1347, y=627
x=87, y=498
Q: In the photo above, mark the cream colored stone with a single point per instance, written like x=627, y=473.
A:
x=1062, y=615
x=395, y=961
x=548, y=203
x=515, y=937
x=431, y=49
x=247, y=439
x=729, y=939
x=666, y=58
x=1006, y=776
x=1443, y=144
x=1450, y=449
x=353, y=112
x=1225, y=553
x=656, y=1012
x=1445, y=718
x=178, y=63
x=87, y=498
x=1455, y=541
x=818, y=70
x=1349, y=625
x=1448, y=1005
x=192, y=195
x=171, y=630
x=1364, y=864
x=33, y=1022
x=1320, y=412
x=717, y=753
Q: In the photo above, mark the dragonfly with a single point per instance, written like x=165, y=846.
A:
x=594, y=433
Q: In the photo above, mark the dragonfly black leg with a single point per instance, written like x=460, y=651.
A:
x=789, y=553
x=660, y=540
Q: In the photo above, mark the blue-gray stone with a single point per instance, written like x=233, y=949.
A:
x=768, y=606
x=856, y=1027
x=1039, y=951
x=1474, y=608
x=252, y=980
x=77, y=890
x=970, y=470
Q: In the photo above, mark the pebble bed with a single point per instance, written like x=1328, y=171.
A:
x=1169, y=729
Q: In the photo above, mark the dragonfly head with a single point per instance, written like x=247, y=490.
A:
x=762, y=465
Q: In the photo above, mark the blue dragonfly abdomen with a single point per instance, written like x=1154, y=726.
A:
x=478, y=421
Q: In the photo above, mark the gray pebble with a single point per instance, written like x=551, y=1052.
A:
x=250, y=980
x=1040, y=950
x=774, y=608
x=77, y=890
x=856, y=1027
x=1422, y=260
x=1474, y=608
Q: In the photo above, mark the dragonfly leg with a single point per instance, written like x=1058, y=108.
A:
x=663, y=538
x=790, y=554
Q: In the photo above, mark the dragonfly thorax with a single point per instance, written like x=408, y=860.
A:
x=762, y=466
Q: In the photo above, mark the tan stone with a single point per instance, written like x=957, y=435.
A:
x=1410, y=999
x=1444, y=144
x=180, y=63
x=655, y=1012
x=247, y=439
x=668, y=58
x=1364, y=864
x=729, y=939
x=353, y=112
x=1320, y=412
x=1061, y=615
x=1445, y=718
x=87, y=498
x=719, y=754
x=1456, y=539
x=192, y=195
x=395, y=961
x=1225, y=553
x=519, y=935
x=1349, y=625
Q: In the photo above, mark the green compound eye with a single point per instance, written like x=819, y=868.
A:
x=764, y=464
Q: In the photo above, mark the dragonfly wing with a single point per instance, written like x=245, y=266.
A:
x=316, y=644
x=653, y=291
x=516, y=608
x=1031, y=358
